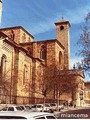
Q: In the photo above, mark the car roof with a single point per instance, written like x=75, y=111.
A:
x=11, y=105
x=39, y=104
x=24, y=114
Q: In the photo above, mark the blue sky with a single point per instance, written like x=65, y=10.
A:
x=38, y=17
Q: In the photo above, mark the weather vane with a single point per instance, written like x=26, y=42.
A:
x=62, y=17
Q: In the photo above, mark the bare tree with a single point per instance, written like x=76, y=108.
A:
x=5, y=86
x=53, y=83
x=84, y=43
x=70, y=77
x=7, y=83
x=58, y=82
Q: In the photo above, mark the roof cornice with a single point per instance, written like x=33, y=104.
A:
x=17, y=27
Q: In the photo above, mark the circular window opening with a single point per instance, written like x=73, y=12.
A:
x=61, y=27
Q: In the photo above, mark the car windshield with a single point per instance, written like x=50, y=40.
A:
x=50, y=117
x=39, y=106
x=22, y=107
x=53, y=104
x=47, y=106
x=27, y=107
x=34, y=106
x=4, y=109
x=19, y=108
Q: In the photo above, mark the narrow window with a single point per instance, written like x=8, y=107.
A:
x=60, y=58
x=24, y=74
x=43, y=53
x=3, y=78
x=3, y=65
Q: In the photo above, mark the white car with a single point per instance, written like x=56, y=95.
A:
x=54, y=106
x=11, y=108
x=48, y=108
x=41, y=107
x=25, y=107
x=61, y=107
x=37, y=107
x=26, y=115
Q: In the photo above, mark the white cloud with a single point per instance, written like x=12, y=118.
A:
x=78, y=15
x=75, y=16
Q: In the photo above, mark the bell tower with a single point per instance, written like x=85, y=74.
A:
x=62, y=35
x=0, y=10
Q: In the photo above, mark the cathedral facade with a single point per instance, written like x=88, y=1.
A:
x=24, y=60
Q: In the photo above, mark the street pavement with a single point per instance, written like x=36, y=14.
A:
x=74, y=113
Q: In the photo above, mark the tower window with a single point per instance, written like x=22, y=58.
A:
x=60, y=58
x=43, y=53
x=61, y=27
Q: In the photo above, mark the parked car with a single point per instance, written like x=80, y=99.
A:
x=47, y=108
x=61, y=107
x=26, y=115
x=54, y=106
x=33, y=107
x=2, y=105
x=25, y=107
x=11, y=108
x=37, y=107
x=41, y=107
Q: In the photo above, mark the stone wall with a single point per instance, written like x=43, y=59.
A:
x=62, y=35
x=87, y=93
x=8, y=51
x=18, y=34
x=50, y=51
x=37, y=82
x=59, y=56
x=24, y=70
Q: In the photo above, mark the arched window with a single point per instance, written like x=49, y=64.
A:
x=61, y=27
x=43, y=53
x=25, y=73
x=3, y=64
x=60, y=58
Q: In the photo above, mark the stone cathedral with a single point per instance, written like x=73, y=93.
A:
x=22, y=63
